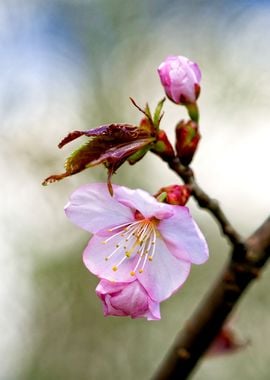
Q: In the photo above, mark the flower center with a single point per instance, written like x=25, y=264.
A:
x=136, y=240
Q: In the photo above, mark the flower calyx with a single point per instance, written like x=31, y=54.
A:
x=162, y=146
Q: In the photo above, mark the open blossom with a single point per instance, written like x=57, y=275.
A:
x=127, y=299
x=180, y=78
x=135, y=237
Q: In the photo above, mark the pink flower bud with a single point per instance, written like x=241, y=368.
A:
x=226, y=342
x=180, y=78
x=127, y=299
x=175, y=194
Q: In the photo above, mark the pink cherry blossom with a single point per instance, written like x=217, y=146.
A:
x=226, y=342
x=137, y=237
x=180, y=78
x=127, y=298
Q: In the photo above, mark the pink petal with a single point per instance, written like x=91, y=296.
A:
x=108, y=308
x=123, y=299
x=183, y=237
x=105, y=287
x=196, y=70
x=92, y=208
x=154, y=310
x=94, y=258
x=164, y=274
x=132, y=300
x=142, y=201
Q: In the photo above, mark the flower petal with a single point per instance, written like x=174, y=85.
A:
x=105, y=290
x=94, y=258
x=165, y=274
x=133, y=300
x=183, y=237
x=123, y=299
x=154, y=310
x=142, y=201
x=92, y=208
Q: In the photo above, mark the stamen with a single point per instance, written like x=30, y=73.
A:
x=111, y=237
x=153, y=244
x=149, y=247
x=120, y=262
x=117, y=227
x=134, y=238
x=111, y=254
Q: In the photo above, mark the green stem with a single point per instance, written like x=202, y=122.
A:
x=193, y=111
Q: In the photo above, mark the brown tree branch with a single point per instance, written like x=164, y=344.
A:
x=243, y=267
x=205, y=201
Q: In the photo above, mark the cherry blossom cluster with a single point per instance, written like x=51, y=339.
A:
x=142, y=246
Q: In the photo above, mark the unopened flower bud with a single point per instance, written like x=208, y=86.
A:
x=163, y=147
x=180, y=78
x=174, y=194
x=226, y=342
x=187, y=139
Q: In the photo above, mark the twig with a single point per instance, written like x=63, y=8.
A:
x=208, y=319
x=205, y=201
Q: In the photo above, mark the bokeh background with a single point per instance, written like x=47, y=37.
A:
x=69, y=65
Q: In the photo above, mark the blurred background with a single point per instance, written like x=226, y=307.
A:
x=69, y=65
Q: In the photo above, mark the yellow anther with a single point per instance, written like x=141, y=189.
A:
x=114, y=268
x=103, y=242
x=140, y=270
x=128, y=254
x=150, y=258
x=132, y=273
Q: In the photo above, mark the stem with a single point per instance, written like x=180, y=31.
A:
x=208, y=319
x=193, y=111
x=205, y=201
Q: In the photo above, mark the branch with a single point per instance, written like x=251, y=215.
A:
x=205, y=201
x=204, y=325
